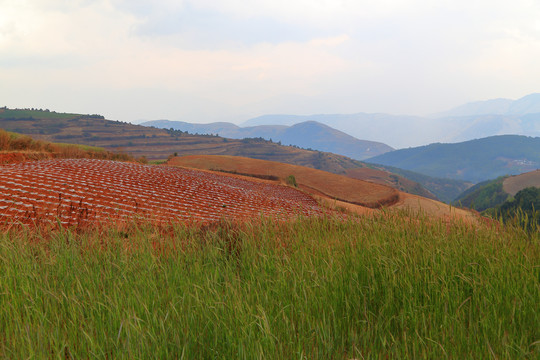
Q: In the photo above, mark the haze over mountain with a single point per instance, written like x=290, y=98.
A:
x=529, y=104
x=466, y=122
x=309, y=134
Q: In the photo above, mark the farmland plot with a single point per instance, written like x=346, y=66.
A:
x=85, y=190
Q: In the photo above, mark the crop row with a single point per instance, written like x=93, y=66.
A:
x=74, y=190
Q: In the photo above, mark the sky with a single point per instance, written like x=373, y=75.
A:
x=231, y=60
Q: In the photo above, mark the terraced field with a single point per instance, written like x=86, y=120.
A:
x=85, y=190
x=313, y=181
x=335, y=191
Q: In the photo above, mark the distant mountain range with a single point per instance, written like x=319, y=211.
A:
x=529, y=104
x=308, y=135
x=474, y=160
x=466, y=122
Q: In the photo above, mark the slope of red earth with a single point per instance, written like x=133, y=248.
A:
x=313, y=181
x=335, y=191
x=75, y=191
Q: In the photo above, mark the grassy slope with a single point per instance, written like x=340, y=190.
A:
x=382, y=287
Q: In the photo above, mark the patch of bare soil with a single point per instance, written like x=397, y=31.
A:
x=513, y=184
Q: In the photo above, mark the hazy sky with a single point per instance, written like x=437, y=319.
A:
x=209, y=60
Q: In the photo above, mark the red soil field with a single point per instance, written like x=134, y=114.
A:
x=75, y=191
x=335, y=191
x=313, y=181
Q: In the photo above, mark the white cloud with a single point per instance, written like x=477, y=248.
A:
x=345, y=55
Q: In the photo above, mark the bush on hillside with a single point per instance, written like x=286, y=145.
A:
x=291, y=180
x=484, y=195
x=523, y=209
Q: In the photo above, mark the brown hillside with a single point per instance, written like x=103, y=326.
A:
x=312, y=180
x=513, y=184
x=335, y=191
x=157, y=144
x=154, y=143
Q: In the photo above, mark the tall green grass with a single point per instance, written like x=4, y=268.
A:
x=389, y=286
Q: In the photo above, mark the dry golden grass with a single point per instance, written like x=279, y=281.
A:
x=433, y=208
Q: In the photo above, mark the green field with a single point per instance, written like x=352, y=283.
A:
x=390, y=286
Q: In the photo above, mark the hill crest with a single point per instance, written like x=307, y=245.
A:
x=307, y=134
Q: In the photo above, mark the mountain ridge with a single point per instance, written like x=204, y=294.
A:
x=528, y=104
x=473, y=160
x=308, y=135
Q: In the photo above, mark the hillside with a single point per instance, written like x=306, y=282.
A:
x=17, y=148
x=335, y=190
x=153, y=143
x=398, y=182
x=444, y=189
x=312, y=180
x=484, y=195
x=513, y=184
x=492, y=193
x=309, y=135
x=474, y=161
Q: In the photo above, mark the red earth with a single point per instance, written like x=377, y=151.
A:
x=75, y=191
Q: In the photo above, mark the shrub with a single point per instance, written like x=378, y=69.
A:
x=291, y=180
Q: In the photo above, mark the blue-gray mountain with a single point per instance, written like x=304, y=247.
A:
x=529, y=104
x=475, y=160
x=309, y=135
x=467, y=122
